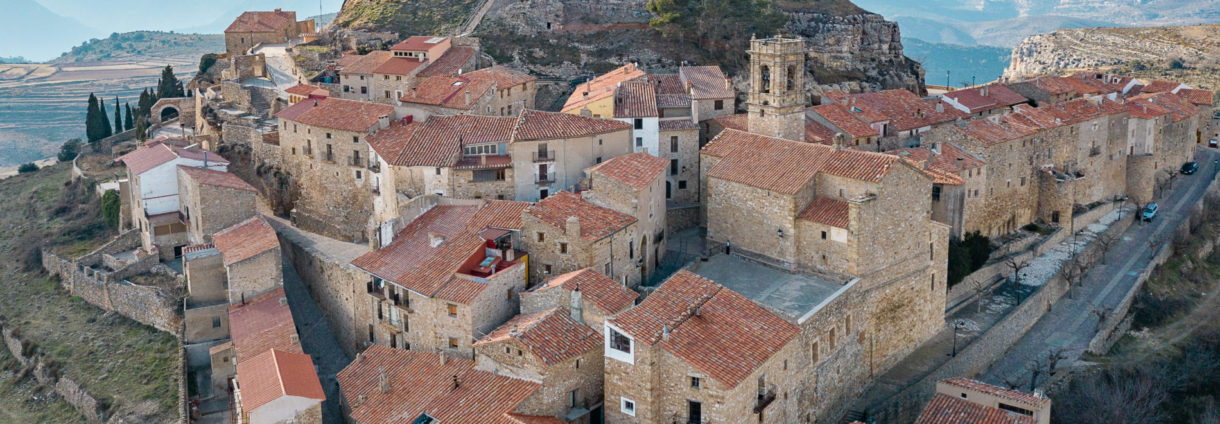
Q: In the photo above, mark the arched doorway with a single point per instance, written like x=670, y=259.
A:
x=168, y=113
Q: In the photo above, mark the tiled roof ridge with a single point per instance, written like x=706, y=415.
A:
x=673, y=324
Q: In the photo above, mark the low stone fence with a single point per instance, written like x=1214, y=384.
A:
x=991, y=344
x=70, y=390
x=109, y=290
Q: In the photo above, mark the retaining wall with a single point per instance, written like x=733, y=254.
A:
x=154, y=306
x=70, y=390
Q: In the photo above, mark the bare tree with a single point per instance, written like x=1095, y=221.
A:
x=1105, y=240
x=1016, y=265
x=1102, y=314
x=1045, y=365
x=1072, y=272
x=981, y=291
x=1131, y=396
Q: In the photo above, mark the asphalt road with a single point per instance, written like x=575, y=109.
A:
x=1071, y=323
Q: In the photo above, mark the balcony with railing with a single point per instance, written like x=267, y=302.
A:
x=546, y=178
x=375, y=290
x=764, y=398
x=329, y=157
x=356, y=161
x=546, y=156
x=374, y=166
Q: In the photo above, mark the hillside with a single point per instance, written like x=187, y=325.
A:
x=574, y=39
x=1187, y=53
x=140, y=45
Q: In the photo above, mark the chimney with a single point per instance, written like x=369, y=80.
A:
x=728, y=83
x=840, y=139
x=455, y=381
x=444, y=359
x=983, y=91
x=515, y=331
x=940, y=107
x=435, y=239
x=383, y=381
x=383, y=121
x=467, y=97
x=585, y=112
x=572, y=226
x=277, y=10
x=577, y=305
x=664, y=332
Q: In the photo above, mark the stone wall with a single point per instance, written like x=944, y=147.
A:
x=70, y=390
x=333, y=283
x=157, y=307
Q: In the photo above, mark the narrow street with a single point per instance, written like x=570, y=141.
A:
x=1071, y=323
x=317, y=341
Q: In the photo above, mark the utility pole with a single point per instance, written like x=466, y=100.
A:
x=947, y=72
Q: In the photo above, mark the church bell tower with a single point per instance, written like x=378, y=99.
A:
x=776, y=102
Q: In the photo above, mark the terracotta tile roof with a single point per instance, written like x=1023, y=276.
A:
x=262, y=21
x=904, y=110
x=504, y=76
x=786, y=166
x=210, y=177
x=1199, y=97
x=414, y=262
x=949, y=157
x=601, y=86
x=669, y=84
x=595, y=287
x=552, y=335
x=950, y=410
x=987, y=97
x=1181, y=107
x=1146, y=109
x=306, y=90
x=673, y=101
x=418, y=43
x=638, y=170
x=1052, y=85
x=449, y=64
x=739, y=122
x=706, y=82
x=398, y=66
x=991, y=133
x=538, y=125
x=595, y=221
x=635, y=99
x=153, y=155
x=1160, y=86
x=484, y=162
x=712, y=328
x=828, y=211
x=274, y=374
x=420, y=383
x=245, y=240
x=197, y=248
x=677, y=125
x=263, y=323
x=1082, y=86
x=818, y=133
x=364, y=64
x=1000, y=392
x=437, y=142
x=449, y=92
x=335, y=113
x=841, y=117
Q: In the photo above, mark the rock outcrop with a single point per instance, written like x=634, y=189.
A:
x=1088, y=48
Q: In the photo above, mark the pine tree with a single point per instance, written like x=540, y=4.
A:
x=104, y=122
x=118, y=116
x=169, y=86
x=92, y=129
x=128, y=121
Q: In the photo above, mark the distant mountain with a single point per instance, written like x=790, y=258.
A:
x=142, y=45
x=964, y=64
x=1007, y=22
x=29, y=30
x=209, y=17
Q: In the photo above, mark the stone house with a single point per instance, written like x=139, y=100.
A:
x=710, y=91
x=833, y=118
x=635, y=103
x=550, y=151
x=300, y=92
x=636, y=184
x=211, y=201
x=515, y=90
x=274, y=27
x=252, y=263
x=694, y=351
x=957, y=181
x=446, y=95
x=278, y=387
x=384, y=76
x=597, y=94
x=984, y=100
x=966, y=401
x=356, y=75
x=565, y=233
x=899, y=116
x=555, y=348
x=206, y=307
x=451, y=274
x=324, y=145
x=594, y=295
x=152, y=192
x=385, y=385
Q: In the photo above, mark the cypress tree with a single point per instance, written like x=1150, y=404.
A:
x=118, y=116
x=141, y=128
x=92, y=129
x=169, y=86
x=144, y=104
x=104, y=122
x=128, y=120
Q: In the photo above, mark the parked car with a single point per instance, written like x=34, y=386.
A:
x=1149, y=212
x=1212, y=143
x=1190, y=168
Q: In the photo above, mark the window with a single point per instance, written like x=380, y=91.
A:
x=681, y=184
x=438, y=171
x=484, y=149
x=572, y=399
x=599, y=142
x=215, y=322
x=364, y=90
x=328, y=136
x=541, y=237
x=599, y=159
x=673, y=167
x=452, y=309
x=453, y=343
x=546, y=269
x=620, y=341
x=355, y=139
x=563, y=248
x=577, y=363
x=814, y=355
x=639, y=123
x=765, y=72
x=719, y=105
x=627, y=406
x=823, y=235
x=630, y=250
x=673, y=143
x=694, y=382
x=694, y=412
x=935, y=193
x=639, y=141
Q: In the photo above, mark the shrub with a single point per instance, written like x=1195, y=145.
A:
x=26, y=168
x=69, y=150
x=110, y=208
x=967, y=255
x=207, y=61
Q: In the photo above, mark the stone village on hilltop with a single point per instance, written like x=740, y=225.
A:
x=647, y=254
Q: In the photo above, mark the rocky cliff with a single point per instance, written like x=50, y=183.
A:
x=1173, y=48
x=572, y=39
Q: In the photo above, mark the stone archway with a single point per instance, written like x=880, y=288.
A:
x=167, y=109
x=168, y=113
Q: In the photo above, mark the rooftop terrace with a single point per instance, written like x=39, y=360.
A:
x=793, y=293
